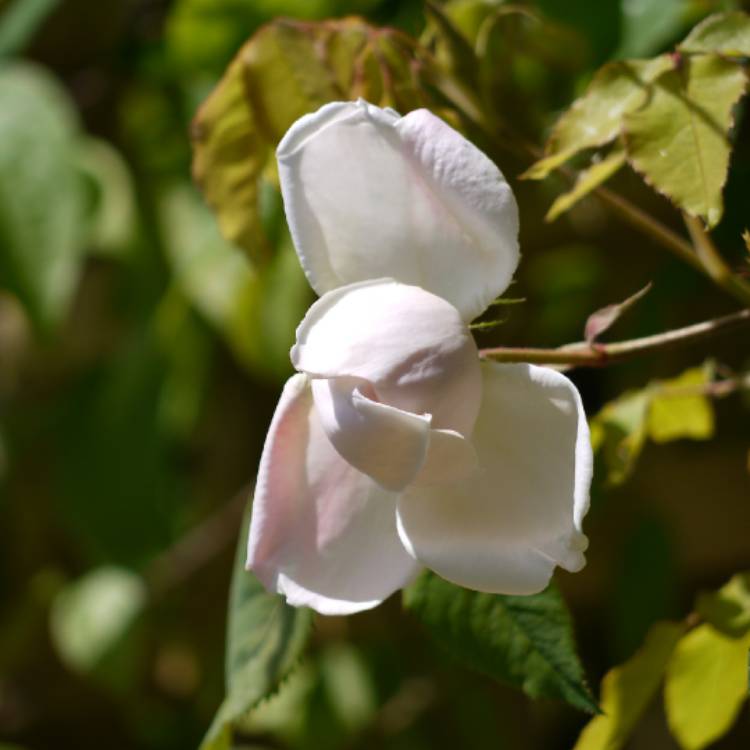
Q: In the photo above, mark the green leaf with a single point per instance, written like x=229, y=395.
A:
x=629, y=688
x=597, y=117
x=265, y=639
x=706, y=685
x=679, y=409
x=526, y=641
x=588, y=180
x=724, y=33
x=41, y=193
x=90, y=616
x=679, y=139
x=20, y=21
x=728, y=609
x=288, y=69
x=618, y=433
x=664, y=411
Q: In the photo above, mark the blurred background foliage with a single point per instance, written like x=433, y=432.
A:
x=141, y=355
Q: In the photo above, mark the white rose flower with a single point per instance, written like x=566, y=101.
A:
x=394, y=447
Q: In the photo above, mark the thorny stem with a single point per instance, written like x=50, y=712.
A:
x=586, y=354
x=713, y=264
x=701, y=255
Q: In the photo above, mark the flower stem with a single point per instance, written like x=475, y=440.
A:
x=585, y=354
x=713, y=264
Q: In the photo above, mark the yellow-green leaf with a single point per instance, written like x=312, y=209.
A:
x=663, y=411
x=596, y=118
x=680, y=410
x=628, y=689
x=728, y=609
x=619, y=432
x=587, y=181
x=228, y=159
x=725, y=33
x=679, y=139
x=706, y=685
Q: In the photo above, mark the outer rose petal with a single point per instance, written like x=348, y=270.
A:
x=321, y=533
x=505, y=528
x=368, y=194
x=411, y=345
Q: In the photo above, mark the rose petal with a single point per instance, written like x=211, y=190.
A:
x=387, y=444
x=369, y=195
x=450, y=457
x=321, y=533
x=412, y=346
x=505, y=528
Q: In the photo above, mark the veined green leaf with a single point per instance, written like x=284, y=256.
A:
x=587, y=181
x=725, y=33
x=706, y=685
x=679, y=139
x=597, y=117
x=728, y=609
x=265, y=639
x=629, y=688
x=526, y=641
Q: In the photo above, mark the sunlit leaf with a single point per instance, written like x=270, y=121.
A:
x=265, y=639
x=526, y=641
x=728, y=609
x=90, y=616
x=706, y=685
x=588, y=180
x=679, y=139
x=619, y=432
x=679, y=409
x=629, y=688
x=597, y=117
x=725, y=33
x=603, y=319
x=663, y=411
x=41, y=193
